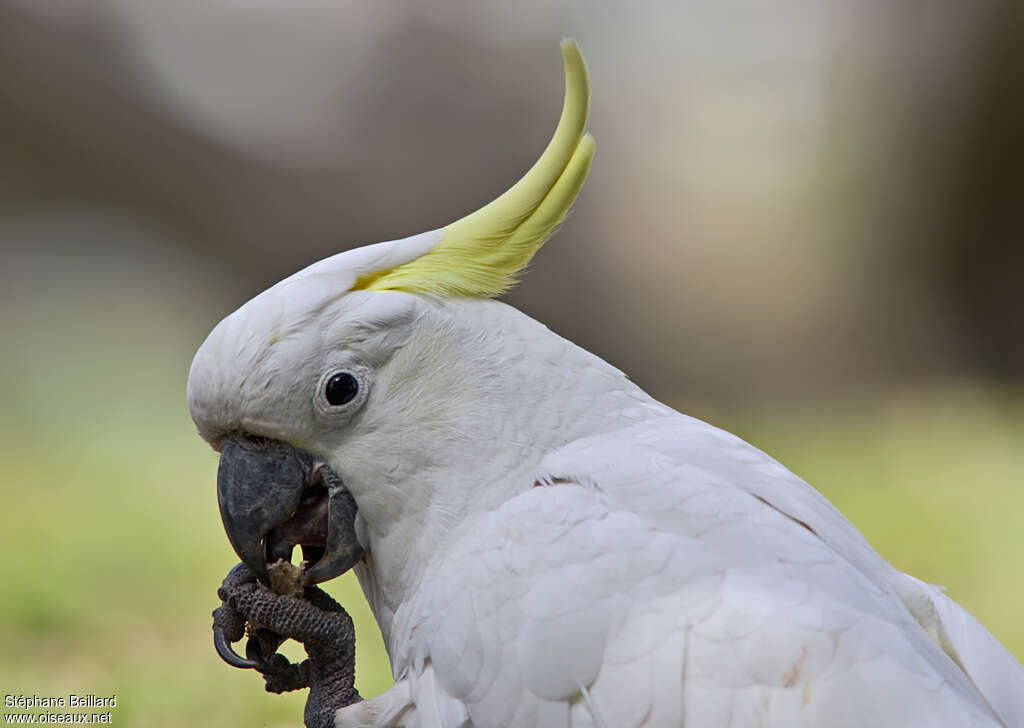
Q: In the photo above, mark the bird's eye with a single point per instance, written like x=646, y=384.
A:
x=341, y=389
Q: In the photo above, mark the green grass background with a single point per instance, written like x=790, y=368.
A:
x=113, y=545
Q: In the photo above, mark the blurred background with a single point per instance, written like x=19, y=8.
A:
x=803, y=224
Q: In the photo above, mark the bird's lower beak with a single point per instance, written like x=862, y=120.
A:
x=274, y=496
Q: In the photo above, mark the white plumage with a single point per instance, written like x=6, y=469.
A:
x=661, y=572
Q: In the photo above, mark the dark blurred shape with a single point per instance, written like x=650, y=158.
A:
x=981, y=263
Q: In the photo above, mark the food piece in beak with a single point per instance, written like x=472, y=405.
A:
x=274, y=496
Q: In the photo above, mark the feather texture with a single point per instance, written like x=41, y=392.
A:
x=655, y=578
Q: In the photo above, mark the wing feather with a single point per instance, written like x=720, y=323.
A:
x=687, y=577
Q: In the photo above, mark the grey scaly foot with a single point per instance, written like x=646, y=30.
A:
x=317, y=621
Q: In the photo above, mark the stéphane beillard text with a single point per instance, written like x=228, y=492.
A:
x=27, y=702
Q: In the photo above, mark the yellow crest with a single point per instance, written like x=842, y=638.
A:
x=481, y=254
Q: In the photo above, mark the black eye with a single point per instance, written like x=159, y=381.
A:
x=341, y=389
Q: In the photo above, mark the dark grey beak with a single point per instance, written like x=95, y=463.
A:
x=274, y=496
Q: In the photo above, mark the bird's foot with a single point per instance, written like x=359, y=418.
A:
x=317, y=621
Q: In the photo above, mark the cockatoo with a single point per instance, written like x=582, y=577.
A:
x=541, y=542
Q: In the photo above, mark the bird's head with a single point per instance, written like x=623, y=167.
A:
x=368, y=367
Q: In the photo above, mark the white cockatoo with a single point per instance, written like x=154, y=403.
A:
x=541, y=542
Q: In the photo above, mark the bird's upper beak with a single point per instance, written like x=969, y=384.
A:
x=274, y=496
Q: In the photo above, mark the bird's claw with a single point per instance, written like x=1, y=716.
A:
x=228, y=623
x=226, y=651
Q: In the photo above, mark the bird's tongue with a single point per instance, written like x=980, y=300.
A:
x=306, y=528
